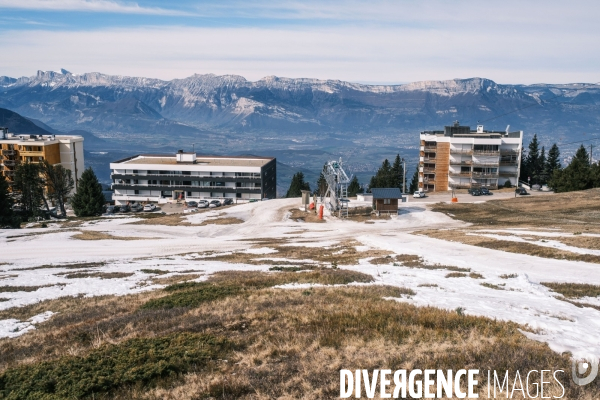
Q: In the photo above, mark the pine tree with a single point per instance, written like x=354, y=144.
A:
x=553, y=161
x=542, y=178
x=29, y=187
x=297, y=185
x=384, y=178
x=8, y=219
x=88, y=200
x=60, y=184
x=354, y=187
x=576, y=176
x=532, y=162
x=398, y=172
x=414, y=183
x=321, y=187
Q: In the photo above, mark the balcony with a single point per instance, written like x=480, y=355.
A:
x=429, y=160
x=8, y=152
x=428, y=170
x=461, y=151
x=24, y=153
x=9, y=163
x=508, y=152
x=8, y=172
x=486, y=152
x=509, y=163
x=485, y=174
x=508, y=173
x=485, y=164
x=460, y=173
x=455, y=162
x=430, y=148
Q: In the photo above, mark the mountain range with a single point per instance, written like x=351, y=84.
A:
x=203, y=104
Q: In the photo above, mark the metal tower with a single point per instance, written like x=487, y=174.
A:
x=337, y=187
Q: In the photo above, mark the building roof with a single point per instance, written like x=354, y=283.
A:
x=171, y=159
x=386, y=193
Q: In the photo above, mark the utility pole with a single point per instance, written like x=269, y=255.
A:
x=404, y=178
x=591, y=152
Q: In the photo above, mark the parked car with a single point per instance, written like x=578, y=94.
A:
x=521, y=191
x=485, y=192
x=419, y=194
x=192, y=204
x=227, y=201
x=124, y=208
x=214, y=203
x=474, y=192
x=202, y=204
x=111, y=209
x=149, y=207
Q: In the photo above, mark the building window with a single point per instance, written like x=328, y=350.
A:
x=136, y=192
x=189, y=193
x=386, y=201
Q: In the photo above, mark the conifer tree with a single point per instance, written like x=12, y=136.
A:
x=384, y=178
x=576, y=176
x=414, y=183
x=354, y=187
x=321, y=187
x=297, y=185
x=29, y=187
x=88, y=200
x=553, y=161
x=8, y=219
x=532, y=161
x=398, y=172
x=60, y=184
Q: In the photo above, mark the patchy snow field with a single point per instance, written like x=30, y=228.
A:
x=181, y=249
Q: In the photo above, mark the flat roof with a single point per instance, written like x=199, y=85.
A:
x=168, y=159
x=37, y=140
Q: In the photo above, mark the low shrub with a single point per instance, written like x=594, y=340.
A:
x=136, y=362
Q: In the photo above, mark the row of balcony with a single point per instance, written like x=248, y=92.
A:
x=254, y=177
x=8, y=152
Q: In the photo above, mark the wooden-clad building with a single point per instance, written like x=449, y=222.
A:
x=386, y=199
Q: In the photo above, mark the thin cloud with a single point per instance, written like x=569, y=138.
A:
x=101, y=6
x=352, y=54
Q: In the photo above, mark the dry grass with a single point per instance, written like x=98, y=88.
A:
x=302, y=216
x=342, y=254
x=288, y=344
x=455, y=235
x=509, y=276
x=574, y=290
x=428, y=285
x=491, y=286
x=13, y=289
x=67, y=266
x=170, y=280
x=222, y=221
x=571, y=213
x=96, y=235
x=475, y=275
x=101, y=275
x=161, y=219
x=455, y=275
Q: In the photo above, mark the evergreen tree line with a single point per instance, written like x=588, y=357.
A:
x=545, y=168
x=538, y=165
x=35, y=185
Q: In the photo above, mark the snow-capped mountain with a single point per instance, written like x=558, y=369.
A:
x=200, y=103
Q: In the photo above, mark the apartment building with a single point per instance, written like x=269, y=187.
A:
x=66, y=150
x=461, y=158
x=186, y=176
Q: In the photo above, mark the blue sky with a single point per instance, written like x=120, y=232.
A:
x=376, y=41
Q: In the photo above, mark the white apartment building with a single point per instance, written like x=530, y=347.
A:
x=186, y=176
x=460, y=158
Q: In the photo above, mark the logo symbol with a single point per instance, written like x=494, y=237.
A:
x=581, y=367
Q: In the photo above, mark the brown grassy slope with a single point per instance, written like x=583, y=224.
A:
x=289, y=343
x=571, y=212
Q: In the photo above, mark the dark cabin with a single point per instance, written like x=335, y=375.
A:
x=386, y=199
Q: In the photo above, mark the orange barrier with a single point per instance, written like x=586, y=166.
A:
x=454, y=200
x=311, y=206
x=321, y=212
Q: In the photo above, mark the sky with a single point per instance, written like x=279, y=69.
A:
x=385, y=42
